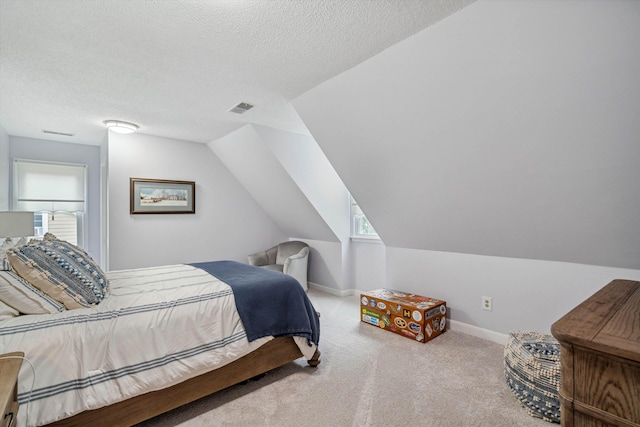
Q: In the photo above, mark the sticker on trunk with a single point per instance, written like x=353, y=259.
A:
x=369, y=319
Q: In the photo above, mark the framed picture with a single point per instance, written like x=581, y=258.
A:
x=162, y=196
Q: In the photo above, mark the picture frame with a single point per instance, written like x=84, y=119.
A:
x=162, y=196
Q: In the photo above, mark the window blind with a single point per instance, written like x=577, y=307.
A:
x=49, y=187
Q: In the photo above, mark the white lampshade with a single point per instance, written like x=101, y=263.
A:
x=16, y=224
x=120, y=126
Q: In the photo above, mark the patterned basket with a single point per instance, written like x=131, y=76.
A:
x=532, y=371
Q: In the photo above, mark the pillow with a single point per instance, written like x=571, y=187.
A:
x=47, y=236
x=19, y=294
x=61, y=270
x=7, y=312
x=6, y=245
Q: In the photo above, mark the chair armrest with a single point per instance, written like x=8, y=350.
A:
x=258, y=259
x=296, y=266
x=302, y=254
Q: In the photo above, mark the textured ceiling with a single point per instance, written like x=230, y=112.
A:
x=175, y=67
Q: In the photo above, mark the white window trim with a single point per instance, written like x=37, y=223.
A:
x=362, y=239
x=356, y=237
x=83, y=224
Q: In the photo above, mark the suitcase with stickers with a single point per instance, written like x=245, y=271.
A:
x=412, y=316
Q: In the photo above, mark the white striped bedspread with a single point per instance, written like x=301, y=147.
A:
x=158, y=327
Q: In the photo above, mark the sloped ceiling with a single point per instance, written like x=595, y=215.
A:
x=245, y=153
x=508, y=129
x=310, y=169
x=176, y=67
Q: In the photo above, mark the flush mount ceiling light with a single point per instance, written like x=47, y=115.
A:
x=120, y=127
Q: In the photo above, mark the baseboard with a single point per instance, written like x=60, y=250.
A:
x=331, y=291
x=476, y=331
x=454, y=325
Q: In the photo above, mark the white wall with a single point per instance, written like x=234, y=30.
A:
x=249, y=158
x=309, y=168
x=369, y=266
x=228, y=223
x=327, y=265
x=54, y=151
x=4, y=169
x=496, y=155
x=293, y=181
x=526, y=294
x=104, y=200
x=509, y=129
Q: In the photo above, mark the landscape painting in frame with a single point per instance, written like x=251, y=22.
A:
x=162, y=196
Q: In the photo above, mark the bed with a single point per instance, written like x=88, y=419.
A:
x=159, y=338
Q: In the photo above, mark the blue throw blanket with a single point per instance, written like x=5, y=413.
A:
x=269, y=302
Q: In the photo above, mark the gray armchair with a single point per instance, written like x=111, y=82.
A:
x=290, y=258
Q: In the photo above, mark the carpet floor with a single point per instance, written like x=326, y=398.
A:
x=369, y=377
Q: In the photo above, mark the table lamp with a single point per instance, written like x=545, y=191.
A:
x=16, y=224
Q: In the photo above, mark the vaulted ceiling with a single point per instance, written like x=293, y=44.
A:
x=176, y=67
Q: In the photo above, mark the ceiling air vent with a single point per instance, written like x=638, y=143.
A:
x=57, y=133
x=241, y=108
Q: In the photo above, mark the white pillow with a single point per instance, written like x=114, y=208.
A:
x=7, y=312
x=6, y=245
x=21, y=295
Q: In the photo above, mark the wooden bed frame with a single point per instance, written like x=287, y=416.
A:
x=275, y=353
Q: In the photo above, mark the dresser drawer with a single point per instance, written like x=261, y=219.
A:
x=600, y=358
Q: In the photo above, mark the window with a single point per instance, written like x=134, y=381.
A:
x=63, y=224
x=56, y=193
x=360, y=225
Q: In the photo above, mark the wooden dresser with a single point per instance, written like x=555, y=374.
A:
x=600, y=358
x=10, y=364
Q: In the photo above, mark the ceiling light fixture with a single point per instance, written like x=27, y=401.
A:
x=121, y=127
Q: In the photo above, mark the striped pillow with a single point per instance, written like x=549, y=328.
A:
x=6, y=245
x=62, y=270
x=21, y=295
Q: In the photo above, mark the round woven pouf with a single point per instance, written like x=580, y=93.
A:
x=532, y=371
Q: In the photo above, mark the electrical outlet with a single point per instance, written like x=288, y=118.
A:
x=486, y=303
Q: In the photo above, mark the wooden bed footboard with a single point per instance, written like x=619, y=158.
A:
x=273, y=354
